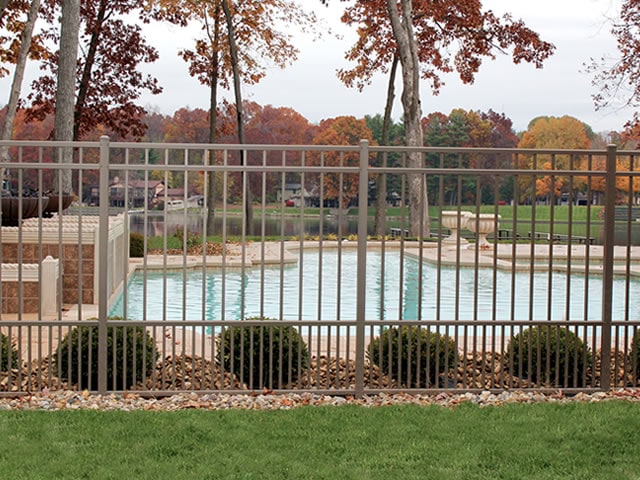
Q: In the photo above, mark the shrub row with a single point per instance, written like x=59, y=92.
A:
x=273, y=355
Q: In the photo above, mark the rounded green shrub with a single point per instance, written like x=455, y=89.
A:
x=558, y=356
x=262, y=356
x=635, y=353
x=8, y=354
x=414, y=356
x=131, y=356
x=136, y=245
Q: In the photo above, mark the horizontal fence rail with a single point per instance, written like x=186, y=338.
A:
x=333, y=269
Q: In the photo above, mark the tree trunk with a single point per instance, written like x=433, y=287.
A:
x=233, y=49
x=65, y=92
x=381, y=181
x=402, y=27
x=213, y=120
x=18, y=77
x=85, y=80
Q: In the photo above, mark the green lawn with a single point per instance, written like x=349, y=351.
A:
x=511, y=218
x=539, y=441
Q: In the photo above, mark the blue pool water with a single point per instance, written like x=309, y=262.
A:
x=313, y=290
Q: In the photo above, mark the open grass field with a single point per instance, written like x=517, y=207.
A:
x=517, y=441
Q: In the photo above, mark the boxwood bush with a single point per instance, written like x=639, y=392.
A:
x=262, y=356
x=635, y=353
x=557, y=354
x=414, y=356
x=8, y=354
x=136, y=245
x=130, y=348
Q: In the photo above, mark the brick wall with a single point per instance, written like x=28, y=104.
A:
x=10, y=298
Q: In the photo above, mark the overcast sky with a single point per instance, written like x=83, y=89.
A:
x=578, y=28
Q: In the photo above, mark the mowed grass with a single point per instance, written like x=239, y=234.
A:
x=539, y=441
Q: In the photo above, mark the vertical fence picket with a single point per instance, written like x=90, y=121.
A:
x=607, y=269
x=361, y=281
x=103, y=297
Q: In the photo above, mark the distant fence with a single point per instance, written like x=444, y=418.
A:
x=479, y=273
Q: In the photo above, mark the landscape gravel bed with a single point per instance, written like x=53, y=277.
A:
x=73, y=400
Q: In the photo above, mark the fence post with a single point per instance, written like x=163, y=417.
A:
x=363, y=203
x=607, y=268
x=103, y=245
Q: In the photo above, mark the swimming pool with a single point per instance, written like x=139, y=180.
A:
x=324, y=288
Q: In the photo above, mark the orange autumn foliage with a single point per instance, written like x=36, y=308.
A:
x=345, y=130
x=552, y=133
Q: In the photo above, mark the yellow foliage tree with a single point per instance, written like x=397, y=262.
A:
x=553, y=133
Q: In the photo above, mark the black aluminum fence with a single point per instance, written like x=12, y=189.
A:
x=348, y=270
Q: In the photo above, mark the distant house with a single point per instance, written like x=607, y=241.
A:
x=139, y=189
x=577, y=198
x=289, y=190
x=295, y=193
x=170, y=195
x=118, y=194
x=136, y=194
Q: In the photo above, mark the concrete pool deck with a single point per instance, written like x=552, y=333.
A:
x=504, y=256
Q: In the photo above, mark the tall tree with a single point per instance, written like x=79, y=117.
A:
x=401, y=17
x=108, y=80
x=502, y=136
x=259, y=44
x=281, y=126
x=463, y=128
x=204, y=63
x=341, y=188
x=619, y=82
x=431, y=37
x=552, y=133
x=381, y=181
x=21, y=62
x=278, y=125
x=65, y=87
x=18, y=77
x=237, y=92
x=187, y=126
x=13, y=21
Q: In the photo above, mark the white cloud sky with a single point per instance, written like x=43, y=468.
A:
x=578, y=28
